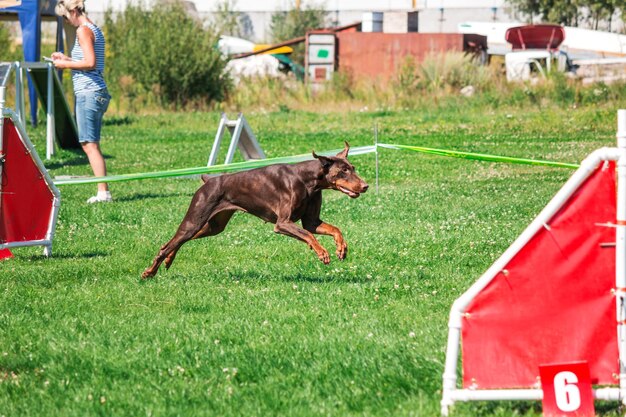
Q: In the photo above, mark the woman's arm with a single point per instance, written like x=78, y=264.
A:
x=60, y=55
x=86, y=41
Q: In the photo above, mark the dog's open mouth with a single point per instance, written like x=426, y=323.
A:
x=350, y=193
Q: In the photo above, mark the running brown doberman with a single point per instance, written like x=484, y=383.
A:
x=281, y=194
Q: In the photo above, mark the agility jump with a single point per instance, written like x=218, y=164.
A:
x=557, y=296
x=29, y=200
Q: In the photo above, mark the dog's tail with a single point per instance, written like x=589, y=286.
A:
x=205, y=177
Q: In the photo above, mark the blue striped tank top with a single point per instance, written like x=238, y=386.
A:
x=92, y=80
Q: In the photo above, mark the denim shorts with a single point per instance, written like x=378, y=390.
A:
x=90, y=108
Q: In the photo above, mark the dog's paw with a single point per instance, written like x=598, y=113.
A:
x=147, y=274
x=324, y=257
x=342, y=252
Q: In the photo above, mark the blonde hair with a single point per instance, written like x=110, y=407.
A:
x=64, y=7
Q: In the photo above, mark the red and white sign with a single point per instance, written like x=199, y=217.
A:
x=567, y=390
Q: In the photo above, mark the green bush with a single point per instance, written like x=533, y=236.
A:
x=165, y=54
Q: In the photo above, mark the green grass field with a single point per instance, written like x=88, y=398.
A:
x=250, y=323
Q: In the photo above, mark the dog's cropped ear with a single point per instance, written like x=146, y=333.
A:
x=344, y=154
x=325, y=161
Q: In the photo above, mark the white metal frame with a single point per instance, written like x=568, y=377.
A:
x=56, y=204
x=241, y=136
x=519, y=63
x=20, y=100
x=451, y=393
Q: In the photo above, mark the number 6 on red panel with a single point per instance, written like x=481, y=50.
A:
x=567, y=390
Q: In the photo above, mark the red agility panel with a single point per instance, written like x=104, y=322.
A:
x=553, y=302
x=5, y=254
x=26, y=201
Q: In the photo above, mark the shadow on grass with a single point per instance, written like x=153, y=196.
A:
x=322, y=279
x=485, y=409
x=88, y=255
x=148, y=196
x=78, y=158
x=296, y=277
x=118, y=121
x=75, y=157
x=490, y=408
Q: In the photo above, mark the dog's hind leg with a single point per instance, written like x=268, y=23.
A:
x=169, y=248
x=214, y=226
x=199, y=212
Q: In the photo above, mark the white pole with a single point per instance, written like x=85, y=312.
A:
x=620, y=253
x=621, y=128
x=604, y=394
x=20, y=76
x=376, y=147
x=452, y=359
x=19, y=92
x=218, y=140
x=234, y=140
x=40, y=242
x=50, y=114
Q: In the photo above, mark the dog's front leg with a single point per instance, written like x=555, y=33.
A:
x=291, y=229
x=330, y=230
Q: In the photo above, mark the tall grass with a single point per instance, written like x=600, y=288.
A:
x=440, y=78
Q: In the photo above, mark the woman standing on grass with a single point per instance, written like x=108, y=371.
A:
x=90, y=90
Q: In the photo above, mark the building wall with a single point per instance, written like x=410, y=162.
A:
x=378, y=55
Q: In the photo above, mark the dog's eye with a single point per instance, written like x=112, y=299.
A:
x=346, y=170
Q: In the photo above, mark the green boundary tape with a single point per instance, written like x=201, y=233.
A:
x=478, y=156
x=237, y=166
x=241, y=166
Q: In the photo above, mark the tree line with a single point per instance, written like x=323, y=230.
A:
x=596, y=14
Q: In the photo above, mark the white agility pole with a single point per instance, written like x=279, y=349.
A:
x=218, y=140
x=451, y=393
x=50, y=114
x=20, y=100
x=20, y=106
x=232, y=147
x=376, y=145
